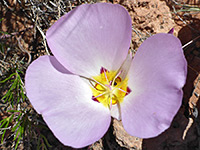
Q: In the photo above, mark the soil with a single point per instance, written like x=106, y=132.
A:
x=148, y=17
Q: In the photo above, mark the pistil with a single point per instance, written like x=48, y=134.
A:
x=108, y=88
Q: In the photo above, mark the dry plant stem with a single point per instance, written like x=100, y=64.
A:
x=59, y=11
x=187, y=128
x=3, y=66
x=35, y=15
x=44, y=39
x=190, y=42
x=6, y=128
x=183, y=20
x=70, y=5
x=184, y=4
x=5, y=3
x=48, y=7
x=178, y=15
x=24, y=50
x=138, y=34
x=175, y=2
x=52, y=3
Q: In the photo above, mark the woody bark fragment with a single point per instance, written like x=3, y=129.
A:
x=193, y=111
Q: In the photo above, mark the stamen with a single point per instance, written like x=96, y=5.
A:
x=105, y=75
x=99, y=83
x=122, y=90
x=94, y=87
x=102, y=70
x=109, y=88
x=99, y=95
x=116, y=78
x=92, y=84
x=93, y=80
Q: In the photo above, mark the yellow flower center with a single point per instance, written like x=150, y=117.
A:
x=108, y=88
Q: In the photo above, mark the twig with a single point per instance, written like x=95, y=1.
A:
x=8, y=128
x=138, y=34
x=183, y=20
x=3, y=65
x=48, y=7
x=5, y=3
x=59, y=12
x=190, y=42
x=70, y=5
x=44, y=39
x=187, y=128
x=24, y=50
x=52, y=3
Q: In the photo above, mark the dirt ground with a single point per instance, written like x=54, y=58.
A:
x=27, y=24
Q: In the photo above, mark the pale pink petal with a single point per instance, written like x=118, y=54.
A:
x=91, y=36
x=156, y=78
x=64, y=100
x=115, y=112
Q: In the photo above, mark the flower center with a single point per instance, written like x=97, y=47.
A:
x=108, y=88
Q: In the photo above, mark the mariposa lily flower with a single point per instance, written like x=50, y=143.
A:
x=92, y=77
